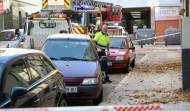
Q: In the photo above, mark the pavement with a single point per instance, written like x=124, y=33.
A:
x=156, y=79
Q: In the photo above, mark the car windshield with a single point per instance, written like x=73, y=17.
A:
x=115, y=42
x=7, y=36
x=69, y=50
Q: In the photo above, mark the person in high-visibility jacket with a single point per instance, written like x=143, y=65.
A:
x=99, y=28
x=101, y=41
x=92, y=32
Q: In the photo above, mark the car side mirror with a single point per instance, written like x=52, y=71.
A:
x=22, y=40
x=18, y=91
x=103, y=58
x=17, y=32
x=62, y=31
x=132, y=47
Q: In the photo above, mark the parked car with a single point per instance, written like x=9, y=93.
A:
x=122, y=53
x=124, y=32
x=28, y=78
x=11, y=38
x=76, y=57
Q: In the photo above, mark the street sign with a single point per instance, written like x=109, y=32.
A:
x=1, y=6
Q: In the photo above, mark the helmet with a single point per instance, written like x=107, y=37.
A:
x=99, y=25
x=92, y=25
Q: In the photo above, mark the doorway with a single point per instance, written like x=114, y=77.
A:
x=138, y=16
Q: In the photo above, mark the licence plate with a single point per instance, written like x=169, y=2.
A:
x=71, y=89
x=109, y=63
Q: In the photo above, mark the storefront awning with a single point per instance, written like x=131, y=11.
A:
x=30, y=10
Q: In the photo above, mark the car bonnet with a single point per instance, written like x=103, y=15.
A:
x=77, y=68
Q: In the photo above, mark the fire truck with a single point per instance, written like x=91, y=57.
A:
x=85, y=15
x=66, y=16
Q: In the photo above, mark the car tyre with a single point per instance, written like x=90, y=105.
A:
x=63, y=102
x=99, y=99
x=126, y=69
x=133, y=63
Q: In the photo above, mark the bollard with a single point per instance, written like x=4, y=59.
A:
x=141, y=44
x=166, y=41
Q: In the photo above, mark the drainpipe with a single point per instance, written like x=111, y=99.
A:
x=187, y=8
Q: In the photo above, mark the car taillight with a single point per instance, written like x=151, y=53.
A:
x=124, y=33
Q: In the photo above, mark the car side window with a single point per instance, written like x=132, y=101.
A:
x=129, y=42
x=36, y=67
x=50, y=67
x=17, y=76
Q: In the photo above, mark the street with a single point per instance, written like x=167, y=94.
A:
x=149, y=82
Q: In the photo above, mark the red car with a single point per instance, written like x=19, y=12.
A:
x=122, y=53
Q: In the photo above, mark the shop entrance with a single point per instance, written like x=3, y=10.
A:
x=138, y=16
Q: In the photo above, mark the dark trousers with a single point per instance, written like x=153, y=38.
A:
x=104, y=65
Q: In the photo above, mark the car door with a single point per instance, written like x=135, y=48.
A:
x=44, y=78
x=17, y=75
x=55, y=80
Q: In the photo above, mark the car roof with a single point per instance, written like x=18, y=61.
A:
x=12, y=30
x=9, y=53
x=69, y=36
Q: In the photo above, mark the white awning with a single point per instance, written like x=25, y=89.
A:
x=30, y=10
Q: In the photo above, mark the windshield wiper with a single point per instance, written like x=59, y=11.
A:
x=69, y=58
x=53, y=58
x=114, y=47
x=72, y=58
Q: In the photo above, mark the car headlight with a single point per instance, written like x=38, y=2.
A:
x=87, y=81
x=119, y=58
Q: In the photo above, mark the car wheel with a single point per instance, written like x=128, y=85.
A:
x=126, y=69
x=99, y=99
x=63, y=102
x=133, y=63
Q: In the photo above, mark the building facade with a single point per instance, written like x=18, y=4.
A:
x=12, y=13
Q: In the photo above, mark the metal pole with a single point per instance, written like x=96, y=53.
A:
x=166, y=41
x=20, y=20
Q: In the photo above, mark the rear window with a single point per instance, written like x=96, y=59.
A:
x=69, y=50
x=116, y=42
x=47, y=24
x=7, y=36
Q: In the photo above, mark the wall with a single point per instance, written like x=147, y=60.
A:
x=11, y=17
x=15, y=11
x=161, y=26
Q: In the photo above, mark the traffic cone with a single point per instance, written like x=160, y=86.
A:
x=154, y=44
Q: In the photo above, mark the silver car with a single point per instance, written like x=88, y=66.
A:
x=11, y=38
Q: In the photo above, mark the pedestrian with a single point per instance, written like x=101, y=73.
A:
x=135, y=28
x=101, y=41
x=91, y=32
x=144, y=26
x=99, y=28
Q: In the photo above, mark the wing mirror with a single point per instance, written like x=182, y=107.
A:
x=62, y=31
x=18, y=91
x=132, y=47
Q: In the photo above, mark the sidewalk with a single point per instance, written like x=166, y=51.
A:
x=156, y=79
